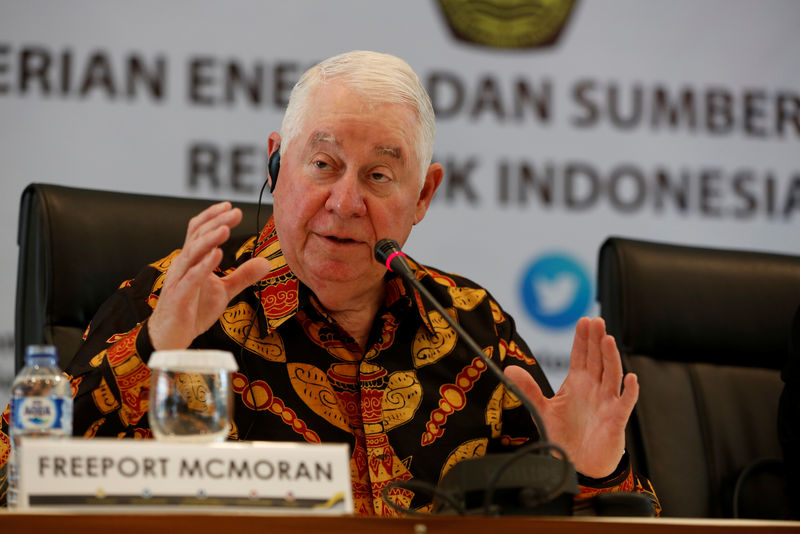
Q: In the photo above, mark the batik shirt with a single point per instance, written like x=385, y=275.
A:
x=410, y=406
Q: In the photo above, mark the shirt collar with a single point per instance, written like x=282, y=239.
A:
x=282, y=293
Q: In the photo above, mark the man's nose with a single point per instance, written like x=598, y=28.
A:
x=346, y=198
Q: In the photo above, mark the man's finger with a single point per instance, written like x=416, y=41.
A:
x=199, y=247
x=528, y=385
x=246, y=275
x=198, y=272
x=206, y=215
x=229, y=218
x=594, y=355
x=612, y=366
x=202, y=236
x=580, y=344
x=630, y=394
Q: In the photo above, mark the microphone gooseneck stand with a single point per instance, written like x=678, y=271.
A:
x=538, y=484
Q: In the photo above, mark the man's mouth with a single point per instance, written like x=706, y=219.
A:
x=343, y=240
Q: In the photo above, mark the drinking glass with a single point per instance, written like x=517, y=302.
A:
x=190, y=395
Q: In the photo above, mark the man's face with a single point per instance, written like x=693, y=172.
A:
x=349, y=178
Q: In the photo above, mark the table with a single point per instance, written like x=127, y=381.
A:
x=13, y=522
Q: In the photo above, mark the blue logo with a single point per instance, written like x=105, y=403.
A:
x=556, y=290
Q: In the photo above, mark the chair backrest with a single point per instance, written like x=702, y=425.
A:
x=707, y=332
x=789, y=419
x=76, y=246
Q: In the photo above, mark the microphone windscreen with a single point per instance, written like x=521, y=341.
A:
x=385, y=248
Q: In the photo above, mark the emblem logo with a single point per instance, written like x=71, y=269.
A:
x=507, y=23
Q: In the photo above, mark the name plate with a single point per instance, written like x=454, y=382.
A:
x=109, y=473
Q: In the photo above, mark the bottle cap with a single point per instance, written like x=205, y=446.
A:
x=38, y=354
x=193, y=360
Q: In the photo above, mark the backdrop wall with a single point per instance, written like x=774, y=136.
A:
x=676, y=121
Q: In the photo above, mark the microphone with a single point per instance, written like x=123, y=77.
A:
x=387, y=252
x=540, y=484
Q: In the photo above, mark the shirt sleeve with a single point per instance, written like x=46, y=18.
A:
x=5, y=452
x=110, y=380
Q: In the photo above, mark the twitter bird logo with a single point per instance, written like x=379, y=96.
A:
x=556, y=290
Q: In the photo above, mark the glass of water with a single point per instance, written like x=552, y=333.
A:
x=190, y=395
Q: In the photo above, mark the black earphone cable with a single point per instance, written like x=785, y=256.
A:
x=257, y=310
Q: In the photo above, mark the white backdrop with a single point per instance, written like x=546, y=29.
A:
x=668, y=120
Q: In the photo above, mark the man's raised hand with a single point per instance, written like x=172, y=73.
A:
x=193, y=297
x=587, y=416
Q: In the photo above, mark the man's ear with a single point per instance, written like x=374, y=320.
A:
x=433, y=178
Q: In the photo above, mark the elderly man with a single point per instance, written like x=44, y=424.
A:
x=330, y=346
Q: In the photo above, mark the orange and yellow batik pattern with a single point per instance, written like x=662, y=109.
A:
x=411, y=405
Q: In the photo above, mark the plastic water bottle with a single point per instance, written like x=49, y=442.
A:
x=41, y=406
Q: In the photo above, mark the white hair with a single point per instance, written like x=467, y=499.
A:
x=382, y=78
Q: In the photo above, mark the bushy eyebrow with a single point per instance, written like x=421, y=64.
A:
x=392, y=151
x=322, y=137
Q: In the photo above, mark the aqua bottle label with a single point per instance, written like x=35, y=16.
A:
x=37, y=413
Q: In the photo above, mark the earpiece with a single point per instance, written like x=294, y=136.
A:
x=274, y=167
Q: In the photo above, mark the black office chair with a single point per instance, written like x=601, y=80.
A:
x=77, y=245
x=707, y=332
x=789, y=419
